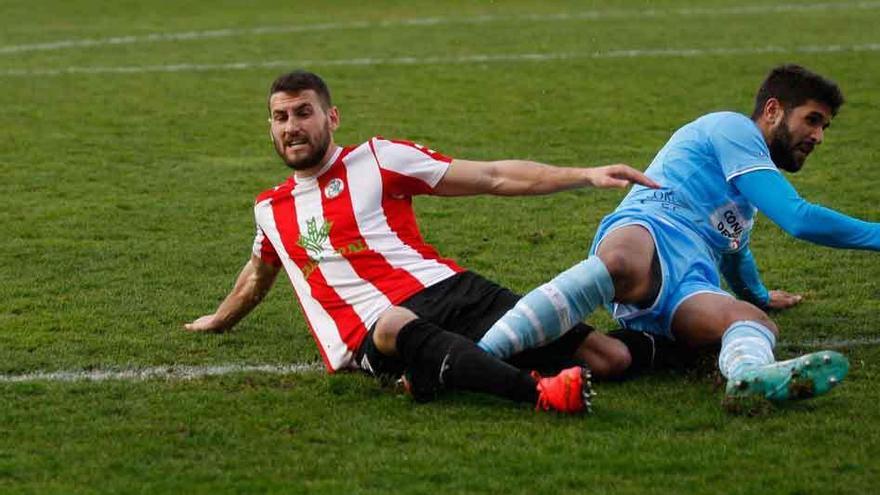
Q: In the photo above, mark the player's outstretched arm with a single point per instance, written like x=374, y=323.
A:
x=775, y=197
x=521, y=177
x=253, y=283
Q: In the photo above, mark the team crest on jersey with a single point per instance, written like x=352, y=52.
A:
x=314, y=237
x=334, y=188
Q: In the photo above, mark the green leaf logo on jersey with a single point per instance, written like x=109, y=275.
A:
x=314, y=237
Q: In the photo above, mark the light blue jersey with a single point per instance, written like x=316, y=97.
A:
x=715, y=173
x=697, y=218
x=695, y=168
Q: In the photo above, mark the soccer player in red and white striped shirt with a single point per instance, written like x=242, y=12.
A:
x=375, y=295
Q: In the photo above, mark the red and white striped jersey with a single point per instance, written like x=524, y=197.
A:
x=348, y=239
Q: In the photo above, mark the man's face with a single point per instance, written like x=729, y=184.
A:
x=302, y=129
x=800, y=130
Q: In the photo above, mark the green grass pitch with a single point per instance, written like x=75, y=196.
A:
x=130, y=154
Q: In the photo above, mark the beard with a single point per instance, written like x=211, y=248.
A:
x=318, y=145
x=782, y=150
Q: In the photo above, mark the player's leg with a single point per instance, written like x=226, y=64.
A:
x=480, y=303
x=649, y=352
x=630, y=255
x=619, y=354
x=435, y=359
x=621, y=270
x=607, y=357
x=631, y=259
x=747, y=338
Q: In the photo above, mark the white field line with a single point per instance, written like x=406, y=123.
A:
x=832, y=343
x=179, y=372
x=174, y=372
x=463, y=59
x=591, y=15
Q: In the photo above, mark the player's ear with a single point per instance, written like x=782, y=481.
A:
x=774, y=112
x=333, y=115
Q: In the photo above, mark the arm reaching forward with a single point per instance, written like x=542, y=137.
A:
x=520, y=177
x=775, y=197
x=253, y=283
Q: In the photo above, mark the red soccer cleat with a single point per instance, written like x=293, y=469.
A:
x=569, y=392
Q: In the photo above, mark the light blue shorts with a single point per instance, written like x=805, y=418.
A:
x=686, y=262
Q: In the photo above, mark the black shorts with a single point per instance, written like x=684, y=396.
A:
x=469, y=304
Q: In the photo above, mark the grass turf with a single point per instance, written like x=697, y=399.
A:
x=126, y=210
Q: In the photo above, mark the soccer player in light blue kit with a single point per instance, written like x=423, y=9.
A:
x=655, y=261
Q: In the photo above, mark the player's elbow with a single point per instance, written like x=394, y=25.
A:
x=495, y=181
x=515, y=178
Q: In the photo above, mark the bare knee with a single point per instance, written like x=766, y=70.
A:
x=606, y=356
x=703, y=319
x=738, y=310
x=388, y=326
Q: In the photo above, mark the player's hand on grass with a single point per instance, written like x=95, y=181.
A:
x=619, y=175
x=206, y=324
x=780, y=299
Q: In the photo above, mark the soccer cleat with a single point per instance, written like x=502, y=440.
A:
x=570, y=392
x=803, y=377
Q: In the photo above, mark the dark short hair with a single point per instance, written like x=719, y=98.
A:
x=793, y=86
x=301, y=80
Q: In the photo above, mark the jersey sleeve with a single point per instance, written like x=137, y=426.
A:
x=409, y=168
x=264, y=250
x=739, y=146
x=781, y=203
x=741, y=272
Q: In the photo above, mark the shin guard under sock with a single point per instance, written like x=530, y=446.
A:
x=545, y=313
x=745, y=345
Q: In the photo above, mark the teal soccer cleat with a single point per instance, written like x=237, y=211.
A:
x=810, y=375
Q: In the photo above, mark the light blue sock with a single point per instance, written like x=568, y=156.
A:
x=745, y=345
x=545, y=313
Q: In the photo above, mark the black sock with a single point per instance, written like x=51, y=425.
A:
x=436, y=359
x=651, y=352
x=641, y=349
